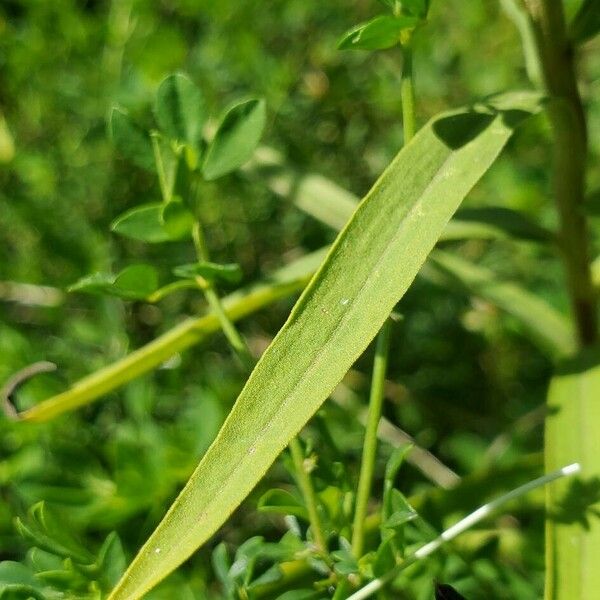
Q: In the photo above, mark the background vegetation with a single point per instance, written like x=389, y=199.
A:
x=465, y=381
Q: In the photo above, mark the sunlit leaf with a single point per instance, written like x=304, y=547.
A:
x=283, y=503
x=370, y=266
x=135, y=282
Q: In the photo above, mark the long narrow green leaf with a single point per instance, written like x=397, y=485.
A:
x=332, y=205
x=370, y=266
x=573, y=527
x=329, y=203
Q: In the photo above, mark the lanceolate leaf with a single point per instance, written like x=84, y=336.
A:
x=573, y=434
x=370, y=266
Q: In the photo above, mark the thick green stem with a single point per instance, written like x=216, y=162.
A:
x=308, y=492
x=214, y=301
x=369, y=454
x=570, y=151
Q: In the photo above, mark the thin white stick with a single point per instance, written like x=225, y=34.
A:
x=478, y=515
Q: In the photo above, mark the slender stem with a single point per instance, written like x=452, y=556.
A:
x=214, y=301
x=383, y=340
x=568, y=121
x=308, y=492
x=407, y=91
x=165, y=290
x=179, y=338
x=369, y=454
x=469, y=521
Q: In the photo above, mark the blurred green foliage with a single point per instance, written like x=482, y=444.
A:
x=465, y=373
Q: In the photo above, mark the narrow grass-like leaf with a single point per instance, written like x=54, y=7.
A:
x=180, y=109
x=372, y=263
x=548, y=327
x=331, y=204
x=573, y=526
x=379, y=33
x=143, y=223
x=284, y=282
x=236, y=139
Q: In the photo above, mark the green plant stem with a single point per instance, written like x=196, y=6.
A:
x=469, y=521
x=308, y=492
x=160, y=168
x=407, y=91
x=285, y=282
x=383, y=340
x=367, y=466
x=160, y=293
x=214, y=301
x=568, y=122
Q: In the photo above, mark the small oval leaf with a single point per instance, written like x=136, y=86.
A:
x=135, y=282
x=180, y=109
x=143, y=223
x=586, y=23
x=379, y=33
x=177, y=220
x=236, y=139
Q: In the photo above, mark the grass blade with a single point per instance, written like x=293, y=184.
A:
x=547, y=326
x=370, y=266
x=573, y=527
